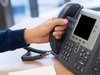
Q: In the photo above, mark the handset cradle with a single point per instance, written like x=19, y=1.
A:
x=69, y=12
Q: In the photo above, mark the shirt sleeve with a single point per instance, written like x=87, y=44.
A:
x=12, y=39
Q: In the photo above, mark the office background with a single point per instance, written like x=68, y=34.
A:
x=14, y=11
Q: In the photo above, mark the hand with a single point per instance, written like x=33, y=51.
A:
x=41, y=33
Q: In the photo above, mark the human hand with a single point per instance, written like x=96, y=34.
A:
x=41, y=33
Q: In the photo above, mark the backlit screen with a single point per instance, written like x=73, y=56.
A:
x=84, y=27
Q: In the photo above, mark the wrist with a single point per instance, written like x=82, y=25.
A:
x=28, y=35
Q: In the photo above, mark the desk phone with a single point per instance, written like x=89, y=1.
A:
x=79, y=47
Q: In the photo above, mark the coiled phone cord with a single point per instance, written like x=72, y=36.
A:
x=28, y=56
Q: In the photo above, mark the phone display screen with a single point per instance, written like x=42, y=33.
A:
x=84, y=27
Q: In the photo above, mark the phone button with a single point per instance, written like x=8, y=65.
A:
x=77, y=47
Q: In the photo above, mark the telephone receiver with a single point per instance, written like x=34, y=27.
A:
x=69, y=11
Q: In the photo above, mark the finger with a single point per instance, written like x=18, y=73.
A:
x=58, y=37
x=51, y=23
x=59, y=21
x=60, y=28
x=57, y=33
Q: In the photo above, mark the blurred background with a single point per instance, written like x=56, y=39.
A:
x=14, y=11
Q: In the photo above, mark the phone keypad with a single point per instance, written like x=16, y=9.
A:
x=66, y=52
x=96, y=67
x=82, y=60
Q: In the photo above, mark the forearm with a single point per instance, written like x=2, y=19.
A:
x=10, y=40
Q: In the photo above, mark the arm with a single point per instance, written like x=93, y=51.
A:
x=10, y=40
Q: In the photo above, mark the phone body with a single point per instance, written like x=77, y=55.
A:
x=78, y=49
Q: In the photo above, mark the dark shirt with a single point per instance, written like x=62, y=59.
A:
x=12, y=39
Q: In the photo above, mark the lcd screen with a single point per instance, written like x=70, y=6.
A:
x=84, y=27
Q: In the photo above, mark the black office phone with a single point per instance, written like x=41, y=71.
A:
x=78, y=49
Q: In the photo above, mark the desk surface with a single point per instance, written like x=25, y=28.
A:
x=11, y=60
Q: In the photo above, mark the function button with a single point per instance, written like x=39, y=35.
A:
x=88, y=53
x=83, y=50
x=77, y=47
x=69, y=44
x=72, y=45
x=84, y=54
x=75, y=65
x=80, y=62
x=68, y=55
x=85, y=58
x=99, y=59
x=93, y=30
x=65, y=52
x=73, y=37
x=66, y=59
x=96, y=26
x=75, y=50
x=76, y=38
x=80, y=40
x=70, y=50
x=82, y=69
x=93, y=73
x=96, y=69
x=97, y=62
x=65, y=47
x=78, y=67
x=63, y=57
x=80, y=55
x=83, y=42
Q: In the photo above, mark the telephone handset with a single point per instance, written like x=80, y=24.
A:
x=70, y=11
